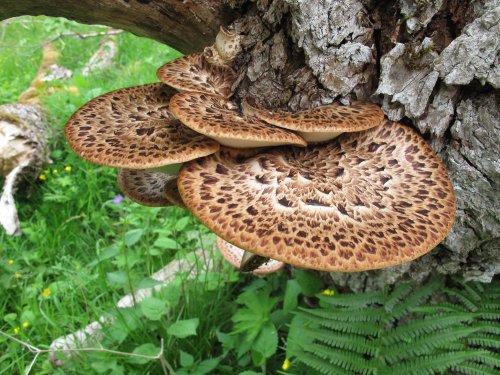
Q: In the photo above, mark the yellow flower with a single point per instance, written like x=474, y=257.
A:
x=46, y=293
x=55, y=171
x=11, y=261
x=18, y=275
x=26, y=324
x=16, y=330
x=42, y=177
x=286, y=364
x=328, y=292
x=67, y=168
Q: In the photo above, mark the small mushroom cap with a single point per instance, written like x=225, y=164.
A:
x=364, y=201
x=172, y=193
x=133, y=128
x=145, y=187
x=221, y=119
x=233, y=255
x=193, y=73
x=321, y=123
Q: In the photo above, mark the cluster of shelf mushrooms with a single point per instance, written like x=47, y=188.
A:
x=333, y=188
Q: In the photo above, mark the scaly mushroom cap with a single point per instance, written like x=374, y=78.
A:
x=221, y=119
x=321, y=123
x=364, y=201
x=193, y=73
x=145, y=187
x=233, y=255
x=133, y=128
x=172, y=193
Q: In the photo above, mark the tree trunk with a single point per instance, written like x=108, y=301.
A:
x=432, y=64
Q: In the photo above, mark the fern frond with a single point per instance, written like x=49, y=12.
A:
x=429, y=364
x=358, y=328
x=425, y=344
x=363, y=315
x=342, y=358
x=322, y=366
x=471, y=291
x=485, y=341
x=438, y=308
x=489, y=358
x=420, y=326
x=353, y=300
x=489, y=315
x=469, y=368
x=416, y=297
x=462, y=297
x=492, y=329
x=401, y=333
x=354, y=343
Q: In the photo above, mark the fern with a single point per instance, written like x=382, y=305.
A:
x=402, y=331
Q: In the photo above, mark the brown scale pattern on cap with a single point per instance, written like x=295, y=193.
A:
x=234, y=254
x=172, y=193
x=133, y=128
x=193, y=73
x=145, y=187
x=332, y=117
x=217, y=117
x=364, y=201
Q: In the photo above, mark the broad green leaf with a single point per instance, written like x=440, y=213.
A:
x=153, y=308
x=184, y=328
x=166, y=243
x=132, y=236
x=147, y=283
x=118, y=278
x=186, y=359
x=266, y=342
x=310, y=282
x=145, y=349
x=110, y=252
x=292, y=291
x=206, y=366
x=182, y=223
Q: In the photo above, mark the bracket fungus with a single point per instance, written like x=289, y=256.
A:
x=322, y=123
x=366, y=200
x=194, y=73
x=133, y=128
x=234, y=255
x=375, y=196
x=145, y=187
x=221, y=119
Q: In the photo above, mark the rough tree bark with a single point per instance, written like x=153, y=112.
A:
x=432, y=64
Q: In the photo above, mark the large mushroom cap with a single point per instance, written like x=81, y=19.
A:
x=234, y=254
x=321, y=123
x=133, y=128
x=193, y=73
x=221, y=119
x=145, y=187
x=364, y=201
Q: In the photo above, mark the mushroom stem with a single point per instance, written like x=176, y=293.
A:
x=225, y=49
x=251, y=262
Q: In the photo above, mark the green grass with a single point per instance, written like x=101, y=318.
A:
x=70, y=219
